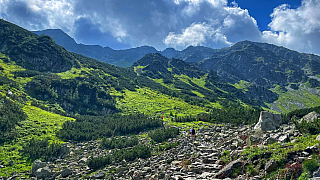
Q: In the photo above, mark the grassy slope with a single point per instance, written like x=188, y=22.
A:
x=146, y=101
x=39, y=124
x=291, y=99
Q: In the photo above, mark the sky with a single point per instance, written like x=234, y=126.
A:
x=122, y=24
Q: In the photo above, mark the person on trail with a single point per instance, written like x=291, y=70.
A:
x=193, y=132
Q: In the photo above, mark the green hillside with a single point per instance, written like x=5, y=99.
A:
x=49, y=96
x=54, y=94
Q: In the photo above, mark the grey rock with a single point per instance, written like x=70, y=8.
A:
x=269, y=140
x=271, y=166
x=66, y=172
x=11, y=163
x=43, y=173
x=83, y=160
x=228, y=169
x=268, y=121
x=318, y=138
x=99, y=175
x=251, y=140
x=64, y=150
x=316, y=173
x=310, y=117
x=205, y=175
x=37, y=164
x=147, y=169
x=312, y=149
x=283, y=138
x=161, y=175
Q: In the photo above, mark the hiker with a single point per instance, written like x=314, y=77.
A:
x=193, y=132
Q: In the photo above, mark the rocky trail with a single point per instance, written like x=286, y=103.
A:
x=202, y=157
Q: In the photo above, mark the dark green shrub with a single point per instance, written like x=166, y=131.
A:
x=309, y=127
x=41, y=149
x=119, y=143
x=94, y=127
x=310, y=164
x=99, y=162
x=10, y=114
x=140, y=151
x=161, y=135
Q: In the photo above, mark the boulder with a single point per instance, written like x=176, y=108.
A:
x=316, y=174
x=283, y=138
x=83, y=160
x=269, y=140
x=228, y=169
x=310, y=117
x=271, y=166
x=147, y=169
x=66, y=172
x=99, y=175
x=43, y=173
x=64, y=150
x=37, y=164
x=251, y=140
x=268, y=121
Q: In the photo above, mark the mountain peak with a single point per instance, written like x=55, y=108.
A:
x=61, y=38
x=149, y=58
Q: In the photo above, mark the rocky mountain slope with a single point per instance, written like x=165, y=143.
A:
x=217, y=152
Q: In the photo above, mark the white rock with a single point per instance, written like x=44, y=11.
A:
x=268, y=121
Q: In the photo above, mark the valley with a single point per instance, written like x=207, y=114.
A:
x=64, y=115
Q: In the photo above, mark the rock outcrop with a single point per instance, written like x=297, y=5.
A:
x=310, y=117
x=268, y=121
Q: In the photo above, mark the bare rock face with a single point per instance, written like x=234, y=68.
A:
x=268, y=121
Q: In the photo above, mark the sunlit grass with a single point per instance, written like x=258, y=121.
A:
x=146, y=101
x=39, y=124
x=288, y=100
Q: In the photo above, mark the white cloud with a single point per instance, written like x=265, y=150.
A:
x=297, y=29
x=39, y=14
x=221, y=26
x=169, y=23
x=196, y=34
x=176, y=23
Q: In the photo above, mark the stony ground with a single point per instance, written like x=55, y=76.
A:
x=198, y=158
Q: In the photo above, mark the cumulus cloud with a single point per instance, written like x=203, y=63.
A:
x=297, y=29
x=37, y=14
x=167, y=23
x=196, y=34
x=161, y=23
x=220, y=26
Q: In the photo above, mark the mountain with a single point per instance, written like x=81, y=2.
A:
x=122, y=58
x=262, y=64
x=65, y=115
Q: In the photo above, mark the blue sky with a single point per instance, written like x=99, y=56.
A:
x=123, y=24
x=261, y=9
